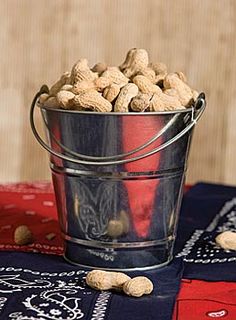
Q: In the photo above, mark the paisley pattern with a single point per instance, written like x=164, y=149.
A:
x=60, y=296
x=201, y=247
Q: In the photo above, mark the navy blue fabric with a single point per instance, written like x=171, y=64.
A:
x=36, y=286
x=207, y=210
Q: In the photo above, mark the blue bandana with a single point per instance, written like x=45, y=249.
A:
x=207, y=211
x=34, y=286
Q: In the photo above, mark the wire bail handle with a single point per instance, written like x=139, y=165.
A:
x=197, y=111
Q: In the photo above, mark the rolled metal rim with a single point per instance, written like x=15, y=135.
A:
x=117, y=113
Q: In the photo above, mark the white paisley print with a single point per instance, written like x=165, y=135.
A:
x=44, y=295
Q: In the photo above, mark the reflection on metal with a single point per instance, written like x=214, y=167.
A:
x=115, y=168
x=95, y=209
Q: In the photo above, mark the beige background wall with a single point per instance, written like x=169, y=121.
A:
x=41, y=39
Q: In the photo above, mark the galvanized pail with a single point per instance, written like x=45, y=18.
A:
x=118, y=180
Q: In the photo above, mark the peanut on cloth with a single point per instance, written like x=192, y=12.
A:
x=137, y=85
x=105, y=280
x=138, y=287
x=23, y=235
x=227, y=240
x=119, y=281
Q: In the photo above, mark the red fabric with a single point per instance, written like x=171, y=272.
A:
x=32, y=205
x=202, y=300
x=199, y=300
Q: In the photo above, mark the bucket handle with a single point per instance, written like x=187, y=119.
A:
x=197, y=111
x=118, y=156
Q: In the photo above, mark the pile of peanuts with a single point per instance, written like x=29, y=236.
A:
x=136, y=85
x=119, y=281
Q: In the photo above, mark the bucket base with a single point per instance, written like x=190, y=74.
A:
x=120, y=269
x=121, y=259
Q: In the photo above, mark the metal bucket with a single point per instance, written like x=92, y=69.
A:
x=118, y=180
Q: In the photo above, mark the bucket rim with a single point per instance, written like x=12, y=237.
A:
x=152, y=113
